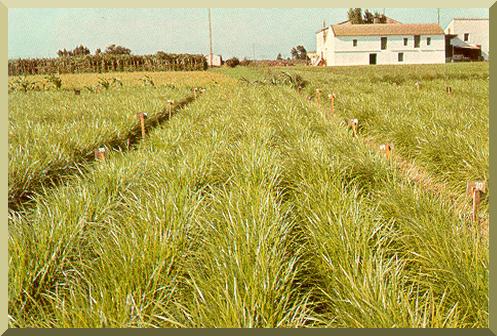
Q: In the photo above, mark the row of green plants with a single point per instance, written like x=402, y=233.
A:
x=248, y=210
x=52, y=133
x=107, y=63
x=447, y=134
x=53, y=81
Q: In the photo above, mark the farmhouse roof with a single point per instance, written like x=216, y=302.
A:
x=387, y=29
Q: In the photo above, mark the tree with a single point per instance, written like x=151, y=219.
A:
x=368, y=17
x=279, y=57
x=80, y=51
x=355, y=15
x=117, y=50
x=298, y=53
x=379, y=18
x=98, y=51
x=302, y=52
x=294, y=53
x=64, y=53
x=232, y=62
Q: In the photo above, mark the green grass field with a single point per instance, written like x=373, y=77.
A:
x=255, y=207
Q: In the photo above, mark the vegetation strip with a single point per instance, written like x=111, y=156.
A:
x=126, y=142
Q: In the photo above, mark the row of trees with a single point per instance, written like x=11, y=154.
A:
x=298, y=53
x=81, y=50
x=107, y=62
x=356, y=16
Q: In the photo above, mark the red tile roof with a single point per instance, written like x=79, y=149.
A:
x=387, y=29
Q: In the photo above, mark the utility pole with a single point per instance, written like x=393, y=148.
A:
x=253, y=49
x=210, y=38
x=438, y=16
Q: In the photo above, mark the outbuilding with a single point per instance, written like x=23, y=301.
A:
x=467, y=39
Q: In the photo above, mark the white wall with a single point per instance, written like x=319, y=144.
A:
x=324, y=45
x=346, y=54
x=478, y=33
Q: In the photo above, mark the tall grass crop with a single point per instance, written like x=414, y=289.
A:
x=248, y=210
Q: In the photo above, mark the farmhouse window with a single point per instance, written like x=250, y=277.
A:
x=354, y=43
x=383, y=43
x=417, y=39
x=466, y=37
x=405, y=40
x=428, y=40
x=401, y=57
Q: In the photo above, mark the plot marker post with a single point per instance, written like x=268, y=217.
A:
x=353, y=124
x=388, y=148
x=170, y=107
x=100, y=154
x=474, y=189
x=332, y=103
x=142, y=116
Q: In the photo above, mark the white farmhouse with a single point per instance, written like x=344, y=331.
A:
x=468, y=39
x=387, y=43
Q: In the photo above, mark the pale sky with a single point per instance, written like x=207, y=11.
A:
x=237, y=32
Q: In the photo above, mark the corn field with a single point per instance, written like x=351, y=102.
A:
x=107, y=63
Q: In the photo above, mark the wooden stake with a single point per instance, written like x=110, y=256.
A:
x=318, y=96
x=417, y=84
x=449, y=90
x=128, y=143
x=100, y=154
x=353, y=124
x=77, y=92
x=332, y=103
x=142, y=116
x=170, y=107
x=474, y=189
x=388, y=148
x=195, y=93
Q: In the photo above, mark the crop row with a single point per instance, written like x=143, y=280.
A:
x=443, y=133
x=52, y=133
